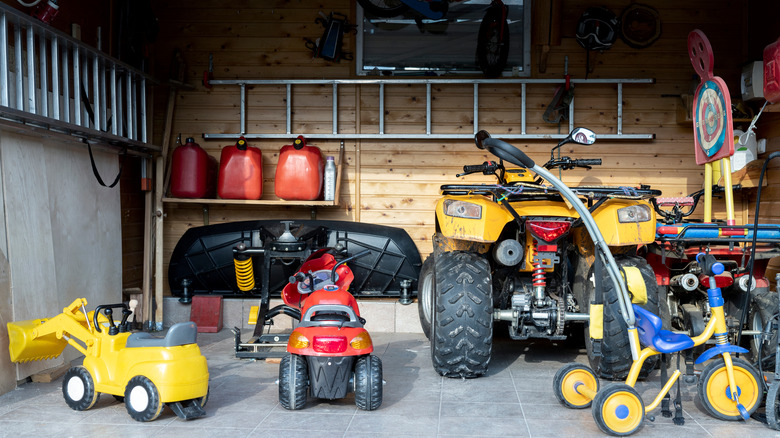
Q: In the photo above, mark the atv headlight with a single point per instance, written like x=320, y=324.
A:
x=634, y=213
x=462, y=209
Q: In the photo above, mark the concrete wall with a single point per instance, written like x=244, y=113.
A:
x=60, y=232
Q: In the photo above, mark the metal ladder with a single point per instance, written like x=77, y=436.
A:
x=53, y=81
x=429, y=84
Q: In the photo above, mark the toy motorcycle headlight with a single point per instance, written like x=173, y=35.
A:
x=462, y=209
x=634, y=213
x=361, y=341
x=297, y=340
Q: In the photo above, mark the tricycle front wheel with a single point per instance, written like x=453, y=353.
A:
x=714, y=391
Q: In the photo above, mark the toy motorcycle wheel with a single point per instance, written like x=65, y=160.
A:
x=142, y=399
x=773, y=406
x=368, y=383
x=78, y=388
x=567, y=382
x=618, y=410
x=714, y=391
x=293, y=382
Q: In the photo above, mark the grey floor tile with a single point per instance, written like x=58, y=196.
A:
x=401, y=425
x=514, y=399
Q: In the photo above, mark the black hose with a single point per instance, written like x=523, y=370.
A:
x=746, y=302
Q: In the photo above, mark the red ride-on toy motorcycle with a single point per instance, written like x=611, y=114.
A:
x=330, y=350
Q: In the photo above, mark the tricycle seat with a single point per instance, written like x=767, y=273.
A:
x=182, y=333
x=651, y=335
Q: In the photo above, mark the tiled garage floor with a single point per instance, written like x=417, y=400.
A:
x=515, y=399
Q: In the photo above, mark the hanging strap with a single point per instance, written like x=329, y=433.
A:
x=95, y=171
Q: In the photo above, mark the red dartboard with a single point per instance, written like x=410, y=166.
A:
x=713, y=132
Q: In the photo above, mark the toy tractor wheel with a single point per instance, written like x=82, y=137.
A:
x=618, y=410
x=425, y=286
x=566, y=383
x=142, y=399
x=78, y=388
x=614, y=360
x=713, y=389
x=462, y=323
x=293, y=382
x=368, y=383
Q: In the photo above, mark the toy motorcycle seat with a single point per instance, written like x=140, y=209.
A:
x=651, y=335
x=326, y=315
x=182, y=333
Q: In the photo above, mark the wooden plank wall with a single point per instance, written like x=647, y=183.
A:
x=396, y=182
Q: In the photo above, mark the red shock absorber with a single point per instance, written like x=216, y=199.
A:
x=539, y=277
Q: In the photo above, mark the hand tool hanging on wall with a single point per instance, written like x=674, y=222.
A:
x=559, y=106
x=328, y=46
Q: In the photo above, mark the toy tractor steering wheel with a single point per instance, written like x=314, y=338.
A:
x=109, y=312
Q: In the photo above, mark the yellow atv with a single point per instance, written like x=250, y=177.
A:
x=145, y=372
x=518, y=253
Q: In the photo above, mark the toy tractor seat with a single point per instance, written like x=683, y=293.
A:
x=182, y=333
x=651, y=335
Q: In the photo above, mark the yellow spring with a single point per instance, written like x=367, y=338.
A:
x=245, y=275
x=722, y=339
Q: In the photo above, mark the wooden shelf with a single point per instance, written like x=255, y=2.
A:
x=277, y=202
x=248, y=202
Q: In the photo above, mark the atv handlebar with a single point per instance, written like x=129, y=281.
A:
x=584, y=162
x=567, y=163
x=507, y=152
x=487, y=168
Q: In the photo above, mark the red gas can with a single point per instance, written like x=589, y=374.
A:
x=772, y=72
x=240, y=172
x=299, y=172
x=193, y=172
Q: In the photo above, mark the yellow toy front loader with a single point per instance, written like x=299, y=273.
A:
x=144, y=371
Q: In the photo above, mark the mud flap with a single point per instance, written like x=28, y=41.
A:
x=187, y=409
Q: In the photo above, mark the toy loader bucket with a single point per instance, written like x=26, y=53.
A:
x=24, y=346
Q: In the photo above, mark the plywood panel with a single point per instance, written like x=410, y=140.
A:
x=397, y=182
x=63, y=230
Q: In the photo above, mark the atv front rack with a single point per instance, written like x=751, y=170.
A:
x=524, y=191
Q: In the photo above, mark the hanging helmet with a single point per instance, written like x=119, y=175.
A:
x=597, y=28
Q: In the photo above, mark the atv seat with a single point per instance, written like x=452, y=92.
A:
x=182, y=333
x=651, y=335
